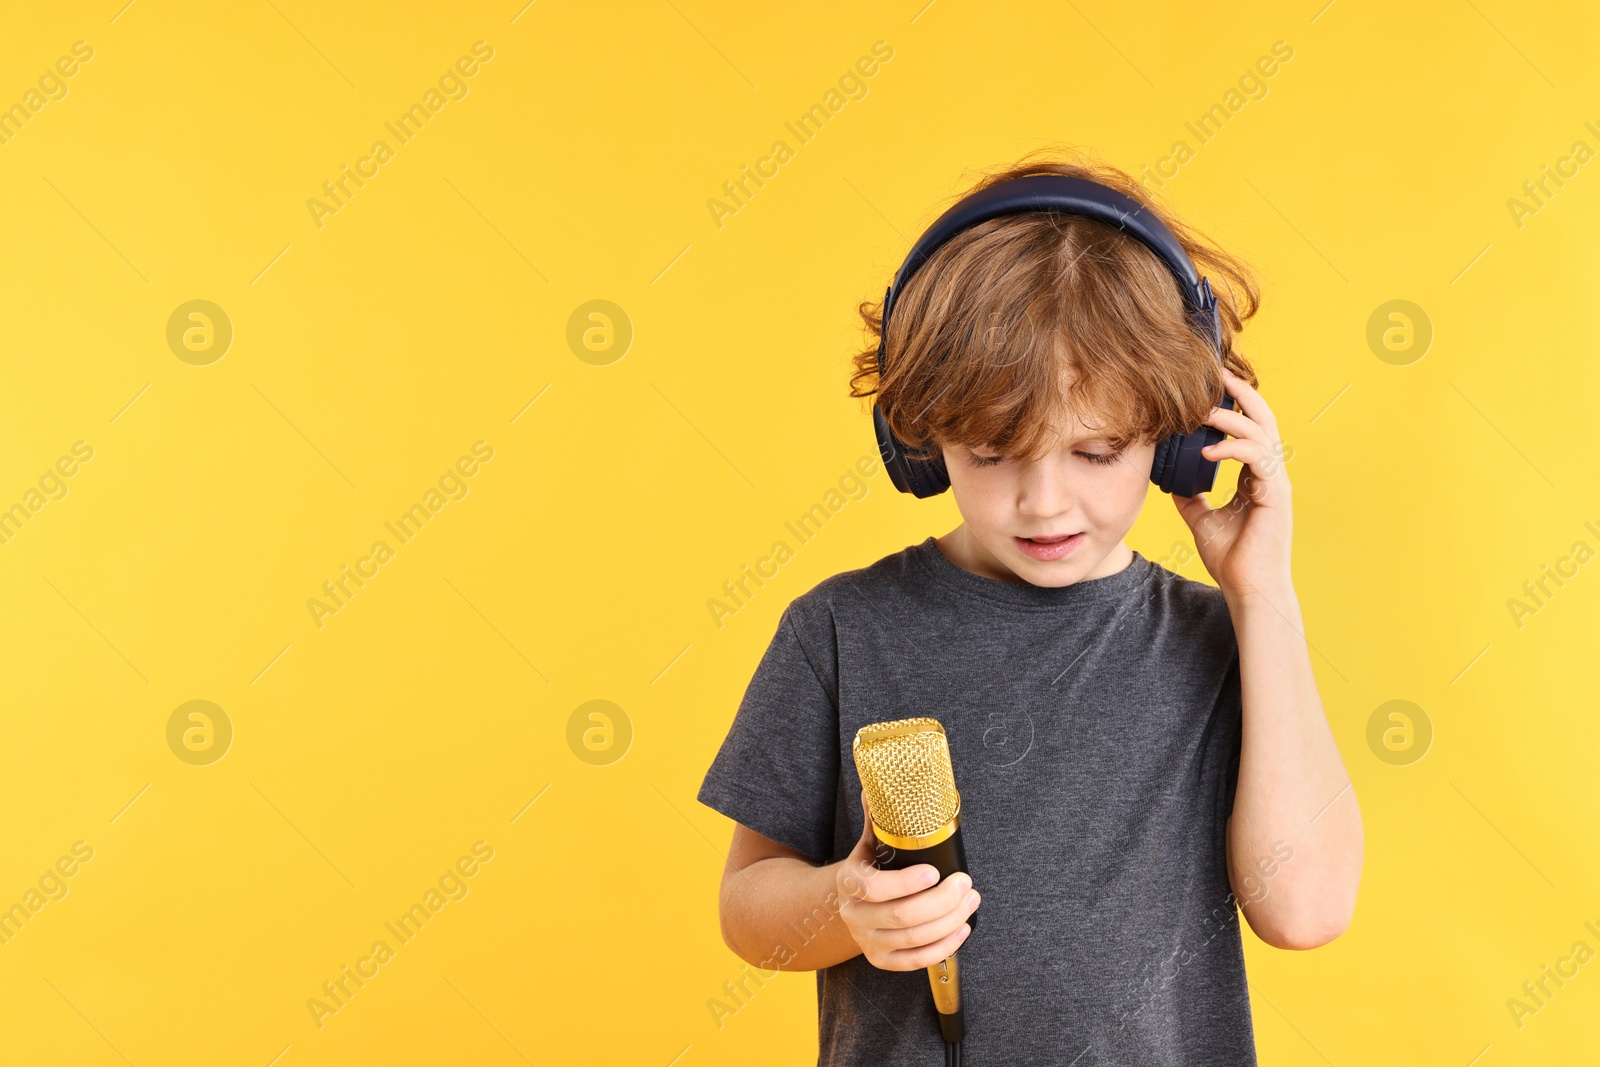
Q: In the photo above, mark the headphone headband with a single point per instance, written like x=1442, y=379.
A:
x=1179, y=466
x=1071, y=196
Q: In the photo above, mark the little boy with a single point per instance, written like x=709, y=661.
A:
x=1138, y=754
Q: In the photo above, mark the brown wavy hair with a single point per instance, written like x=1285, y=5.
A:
x=1027, y=317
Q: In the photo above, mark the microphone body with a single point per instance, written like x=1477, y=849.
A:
x=904, y=766
x=948, y=856
x=944, y=977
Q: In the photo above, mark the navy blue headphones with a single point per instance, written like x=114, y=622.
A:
x=1179, y=466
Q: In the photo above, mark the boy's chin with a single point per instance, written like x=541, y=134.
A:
x=1048, y=575
x=1011, y=562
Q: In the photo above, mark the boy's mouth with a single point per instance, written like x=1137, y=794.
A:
x=1049, y=548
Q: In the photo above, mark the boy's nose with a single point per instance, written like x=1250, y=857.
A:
x=1046, y=490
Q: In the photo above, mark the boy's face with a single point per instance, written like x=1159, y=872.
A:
x=1071, y=491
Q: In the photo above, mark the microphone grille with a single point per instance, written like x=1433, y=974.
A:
x=904, y=766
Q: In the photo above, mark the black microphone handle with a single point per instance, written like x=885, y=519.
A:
x=948, y=856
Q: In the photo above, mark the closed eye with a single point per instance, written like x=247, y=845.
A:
x=1101, y=458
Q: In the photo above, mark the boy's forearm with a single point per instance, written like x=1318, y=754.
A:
x=783, y=914
x=1293, y=790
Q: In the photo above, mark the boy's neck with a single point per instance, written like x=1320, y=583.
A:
x=970, y=554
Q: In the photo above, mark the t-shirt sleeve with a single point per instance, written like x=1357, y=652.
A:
x=777, y=771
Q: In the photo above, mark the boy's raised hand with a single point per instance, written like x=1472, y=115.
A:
x=901, y=919
x=1245, y=543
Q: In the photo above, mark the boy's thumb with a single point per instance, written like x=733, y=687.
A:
x=868, y=840
x=1193, y=510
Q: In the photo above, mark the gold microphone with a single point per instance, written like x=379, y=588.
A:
x=905, y=770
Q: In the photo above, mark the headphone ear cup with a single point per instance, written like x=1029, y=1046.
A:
x=920, y=478
x=1188, y=472
x=1181, y=467
x=1161, y=464
x=933, y=476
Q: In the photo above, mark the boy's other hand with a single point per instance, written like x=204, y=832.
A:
x=1245, y=543
x=901, y=919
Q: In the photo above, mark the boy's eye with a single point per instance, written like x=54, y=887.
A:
x=1092, y=457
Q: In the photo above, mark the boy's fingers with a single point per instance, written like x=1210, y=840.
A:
x=915, y=959
x=1251, y=403
x=1236, y=423
x=858, y=872
x=1251, y=453
x=893, y=885
x=867, y=847
x=909, y=896
x=937, y=926
x=918, y=902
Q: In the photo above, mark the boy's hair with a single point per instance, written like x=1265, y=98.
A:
x=1029, y=316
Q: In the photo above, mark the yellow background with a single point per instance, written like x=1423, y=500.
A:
x=431, y=310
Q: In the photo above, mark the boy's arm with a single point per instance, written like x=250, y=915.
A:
x=768, y=891
x=1294, y=840
x=781, y=912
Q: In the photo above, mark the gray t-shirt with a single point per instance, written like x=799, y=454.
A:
x=1094, y=729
